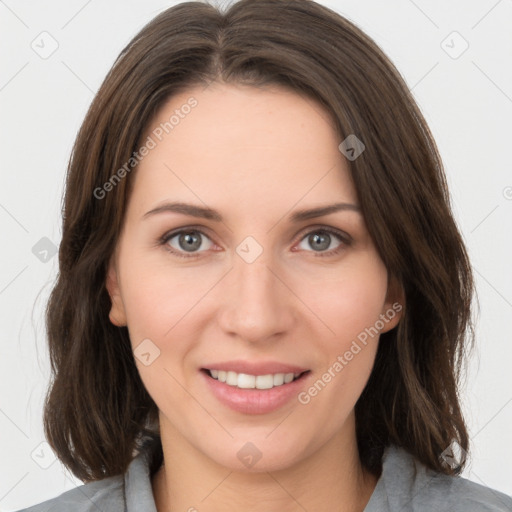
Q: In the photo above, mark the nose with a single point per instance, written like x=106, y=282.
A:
x=257, y=303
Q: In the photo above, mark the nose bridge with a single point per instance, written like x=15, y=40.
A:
x=255, y=305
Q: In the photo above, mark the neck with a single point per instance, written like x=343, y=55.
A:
x=330, y=479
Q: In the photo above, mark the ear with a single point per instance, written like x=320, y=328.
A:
x=394, y=305
x=117, y=313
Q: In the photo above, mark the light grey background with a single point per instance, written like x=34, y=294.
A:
x=465, y=97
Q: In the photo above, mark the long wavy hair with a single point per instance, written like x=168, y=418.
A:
x=98, y=414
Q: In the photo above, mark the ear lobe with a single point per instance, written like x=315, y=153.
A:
x=117, y=313
x=394, y=305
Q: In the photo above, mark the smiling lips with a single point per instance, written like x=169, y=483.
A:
x=250, y=375
x=254, y=387
x=247, y=381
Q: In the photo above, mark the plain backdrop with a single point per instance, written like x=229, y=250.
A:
x=456, y=58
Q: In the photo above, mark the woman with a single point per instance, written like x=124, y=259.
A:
x=264, y=301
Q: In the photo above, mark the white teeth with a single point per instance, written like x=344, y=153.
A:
x=232, y=378
x=278, y=379
x=264, y=382
x=288, y=378
x=245, y=381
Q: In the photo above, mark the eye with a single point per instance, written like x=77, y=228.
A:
x=186, y=242
x=321, y=239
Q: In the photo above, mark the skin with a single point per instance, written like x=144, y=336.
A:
x=256, y=155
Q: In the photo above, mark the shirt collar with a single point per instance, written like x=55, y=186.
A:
x=138, y=491
x=396, y=464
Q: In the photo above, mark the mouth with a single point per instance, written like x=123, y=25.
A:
x=249, y=381
x=254, y=387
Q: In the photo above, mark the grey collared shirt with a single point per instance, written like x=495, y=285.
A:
x=404, y=485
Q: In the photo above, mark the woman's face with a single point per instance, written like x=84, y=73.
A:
x=246, y=282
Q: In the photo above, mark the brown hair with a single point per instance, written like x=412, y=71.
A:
x=98, y=414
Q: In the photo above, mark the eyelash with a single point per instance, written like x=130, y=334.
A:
x=345, y=239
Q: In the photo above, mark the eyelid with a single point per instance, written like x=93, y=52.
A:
x=168, y=235
x=344, y=237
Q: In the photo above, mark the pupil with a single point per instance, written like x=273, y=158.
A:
x=191, y=241
x=320, y=241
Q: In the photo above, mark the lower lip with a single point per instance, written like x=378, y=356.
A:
x=254, y=401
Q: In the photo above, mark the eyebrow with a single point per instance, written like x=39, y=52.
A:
x=210, y=214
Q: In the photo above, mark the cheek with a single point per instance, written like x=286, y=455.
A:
x=350, y=308
x=350, y=301
x=163, y=312
x=166, y=306
x=156, y=297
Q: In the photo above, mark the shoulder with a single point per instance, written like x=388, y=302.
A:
x=408, y=484
x=105, y=495
x=130, y=491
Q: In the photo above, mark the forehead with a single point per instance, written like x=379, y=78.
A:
x=252, y=145
x=230, y=116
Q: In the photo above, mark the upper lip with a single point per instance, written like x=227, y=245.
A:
x=254, y=368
